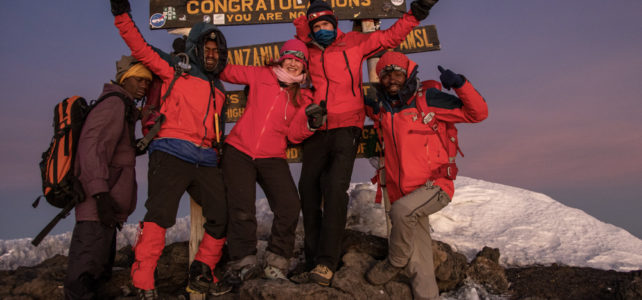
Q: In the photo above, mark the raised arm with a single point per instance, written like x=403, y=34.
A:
x=137, y=44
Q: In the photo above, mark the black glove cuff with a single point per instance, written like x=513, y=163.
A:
x=119, y=7
x=419, y=10
x=460, y=82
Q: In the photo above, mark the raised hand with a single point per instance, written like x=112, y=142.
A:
x=450, y=79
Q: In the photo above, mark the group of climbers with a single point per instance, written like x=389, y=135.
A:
x=311, y=95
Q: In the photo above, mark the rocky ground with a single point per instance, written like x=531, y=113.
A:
x=361, y=251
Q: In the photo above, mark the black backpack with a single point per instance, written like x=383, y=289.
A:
x=60, y=186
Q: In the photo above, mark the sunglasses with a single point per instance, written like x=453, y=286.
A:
x=297, y=54
x=390, y=68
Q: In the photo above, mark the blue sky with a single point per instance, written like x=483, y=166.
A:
x=561, y=78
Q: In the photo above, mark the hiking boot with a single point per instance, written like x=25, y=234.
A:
x=382, y=272
x=146, y=294
x=249, y=272
x=234, y=278
x=220, y=288
x=272, y=272
x=200, y=278
x=321, y=275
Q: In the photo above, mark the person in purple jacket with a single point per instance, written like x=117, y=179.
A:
x=105, y=162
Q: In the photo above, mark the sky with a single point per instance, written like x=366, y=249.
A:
x=561, y=79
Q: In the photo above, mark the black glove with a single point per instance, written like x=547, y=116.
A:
x=118, y=7
x=107, y=208
x=138, y=151
x=450, y=79
x=420, y=8
x=317, y=115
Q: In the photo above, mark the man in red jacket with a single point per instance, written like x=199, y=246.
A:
x=106, y=162
x=336, y=72
x=183, y=155
x=416, y=122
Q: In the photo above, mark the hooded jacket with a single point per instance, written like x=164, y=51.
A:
x=336, y=71
x=106, y=156
x=416, y=147
x=196, y=96
x=269, y=119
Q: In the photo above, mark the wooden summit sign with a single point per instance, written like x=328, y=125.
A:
x=170, y=14
x=420, y=39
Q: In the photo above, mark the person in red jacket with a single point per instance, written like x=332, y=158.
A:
x=255, y=152
x=106, y=163
x=416, y=122
x=183, y=156
x=336, y=60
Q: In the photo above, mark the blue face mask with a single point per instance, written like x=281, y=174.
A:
x=325, y=37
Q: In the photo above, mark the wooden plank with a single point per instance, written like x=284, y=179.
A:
x=196, y=235
x=169, y=14
x=420, y=39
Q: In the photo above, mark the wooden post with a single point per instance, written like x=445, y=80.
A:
x=195, y=237
x=371, y=25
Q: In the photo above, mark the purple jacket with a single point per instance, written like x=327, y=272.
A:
x=106, y=157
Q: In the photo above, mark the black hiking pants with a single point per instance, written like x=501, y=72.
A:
x=91, y=258
x=328, y=159
x=169, y=177
x=241, y=173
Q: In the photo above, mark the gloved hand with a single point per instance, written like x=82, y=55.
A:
x=317, y=115
x=420, y=8
x=450, y=79
x=302, y=29
x=118, y=7
x=107, y=208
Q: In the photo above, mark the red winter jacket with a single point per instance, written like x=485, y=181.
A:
x=414, y=152
x=269, y=118
x=336, y=71
x=190, y=107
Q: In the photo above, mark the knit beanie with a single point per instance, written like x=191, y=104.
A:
x=294, y=49
x=320, y=11
x=128, y=66
x=392, y=61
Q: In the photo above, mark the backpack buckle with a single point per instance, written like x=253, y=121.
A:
x=428, y=117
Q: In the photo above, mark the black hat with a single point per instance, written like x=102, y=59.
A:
x=320, y=10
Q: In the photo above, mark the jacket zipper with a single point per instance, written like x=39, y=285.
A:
x=287, y=100
x=345, y=56
x=327, y=80
x=267, y=117
x=207, y=112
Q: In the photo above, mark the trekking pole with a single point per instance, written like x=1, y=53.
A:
x=384, y=193
x=63, y=214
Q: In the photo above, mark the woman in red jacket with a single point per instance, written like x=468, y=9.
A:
x=255, y=152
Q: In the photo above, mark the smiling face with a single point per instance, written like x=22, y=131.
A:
x=292, y=66
x=393, y=81
x=323, y=24
x=210, y=53
x=136, y=86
